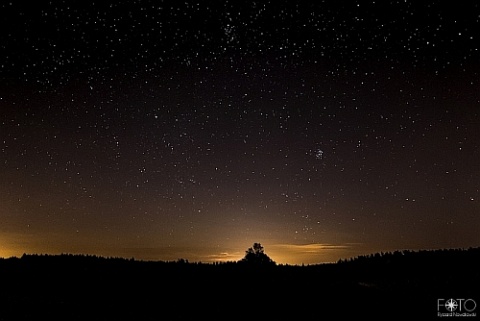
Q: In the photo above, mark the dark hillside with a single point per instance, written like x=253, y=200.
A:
x=380, y=286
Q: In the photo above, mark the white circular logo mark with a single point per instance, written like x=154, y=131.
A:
x=451, y=305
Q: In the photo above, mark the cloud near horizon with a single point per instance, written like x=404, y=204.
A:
x=311, y=248
x=224, y=257
x=308, y=253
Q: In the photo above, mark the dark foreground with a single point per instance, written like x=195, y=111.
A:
x=400, y=285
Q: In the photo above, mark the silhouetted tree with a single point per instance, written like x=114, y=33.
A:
x=182, y=261
x=256, y=256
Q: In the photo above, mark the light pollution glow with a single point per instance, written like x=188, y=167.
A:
x=15, y=245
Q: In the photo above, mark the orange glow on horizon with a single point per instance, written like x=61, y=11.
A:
x=281, y=253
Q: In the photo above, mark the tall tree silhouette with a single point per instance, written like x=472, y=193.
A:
x=256, y=256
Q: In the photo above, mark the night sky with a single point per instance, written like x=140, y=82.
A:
x=167, y=129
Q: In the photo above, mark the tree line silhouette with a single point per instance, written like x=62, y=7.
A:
x=77, y=287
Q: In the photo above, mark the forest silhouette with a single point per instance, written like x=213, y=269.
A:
x=392, y=285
